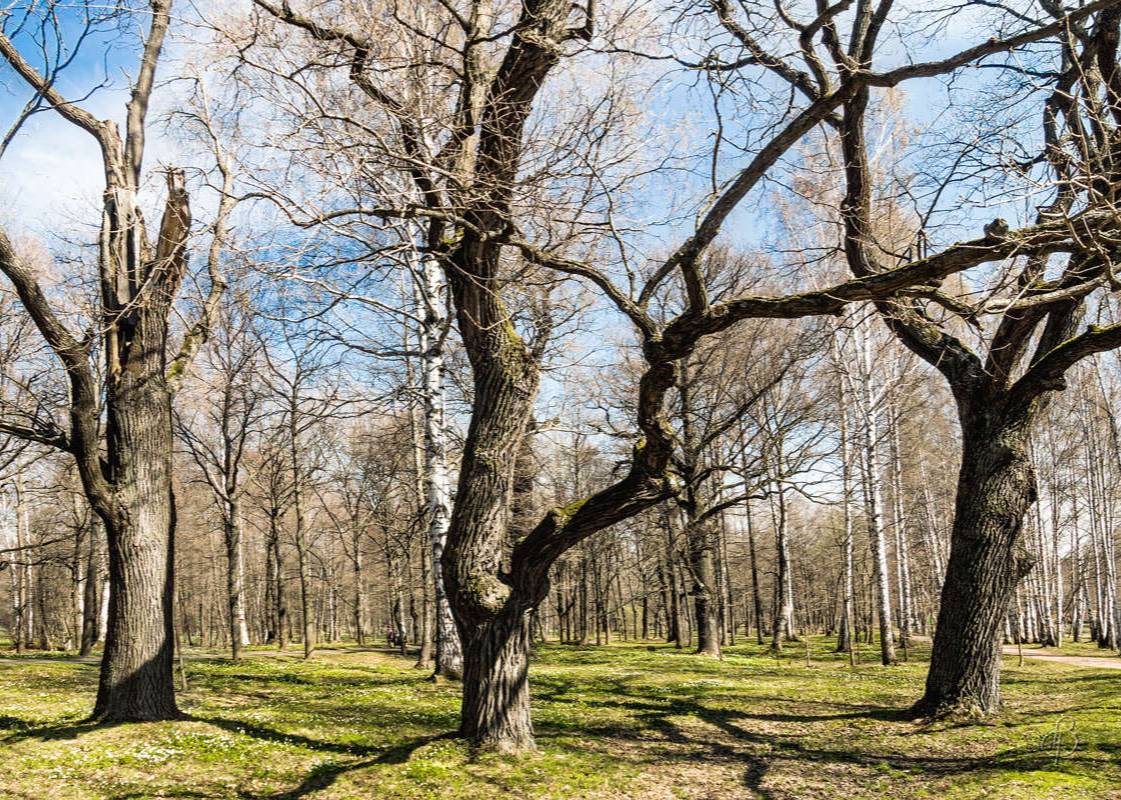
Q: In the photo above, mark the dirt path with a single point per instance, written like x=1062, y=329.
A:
x=1092, y=662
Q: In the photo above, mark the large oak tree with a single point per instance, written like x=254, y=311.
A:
x=448, y=93
x=1004, y=378
x=119, y=425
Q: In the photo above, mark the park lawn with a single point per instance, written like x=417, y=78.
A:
x=621, y=721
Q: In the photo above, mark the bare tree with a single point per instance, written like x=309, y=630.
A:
x=217, y=432
x=1001, y=389
x=720, y=464
x=125, y=467
x=458, y=128
x=304, y=391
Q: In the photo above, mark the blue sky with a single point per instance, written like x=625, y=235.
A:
x=50, y=179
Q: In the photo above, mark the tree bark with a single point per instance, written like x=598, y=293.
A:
x=359, y=595
x=126, y=464
x=91, y=601
x=449, y=654
x=698, y=533
x=899, y=528
x=20, y=602
x=495, y=712
x=424, y=656
x=868, y=403
x=996, y=487
x=782, y=626
x=756, y=594
x=846, y=638
x=300, y=532
x=277, y=597
x=136, y=674
x=488, y=613
x=703, y=565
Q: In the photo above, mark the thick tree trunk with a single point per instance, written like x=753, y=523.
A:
x=492, y=629
x=125, y=464
x=495, y=705
x=996, y=487
x=137, y=683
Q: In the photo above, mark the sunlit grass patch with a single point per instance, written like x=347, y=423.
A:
x=622, y=721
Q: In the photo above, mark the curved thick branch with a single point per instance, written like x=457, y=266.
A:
x=83, y=440
x=44, y=88
x=930, y=69
x=1048, y=373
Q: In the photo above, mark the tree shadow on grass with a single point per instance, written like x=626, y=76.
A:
x=760, y=751
x=25, y=729
x=320, y=777
x=293, y=679
x=164, y=793
x=324, y=775
x=266, y=734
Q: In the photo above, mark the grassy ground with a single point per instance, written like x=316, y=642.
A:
x=623, y=721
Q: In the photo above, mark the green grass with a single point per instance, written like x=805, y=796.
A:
x=624, y=721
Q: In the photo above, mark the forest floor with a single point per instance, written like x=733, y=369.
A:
x=622, y=721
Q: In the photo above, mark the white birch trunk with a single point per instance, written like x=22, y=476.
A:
x=872, y=495
x=848, y=615
x=239, y=573
x=902, y=557
x=449, y=653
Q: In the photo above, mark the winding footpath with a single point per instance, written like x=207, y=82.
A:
x=1091, y=662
